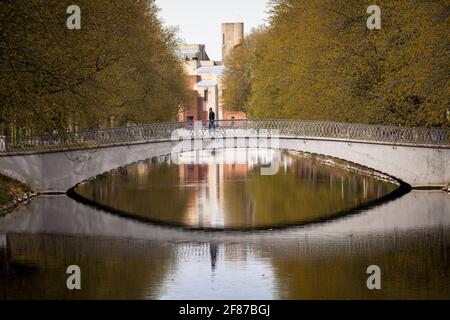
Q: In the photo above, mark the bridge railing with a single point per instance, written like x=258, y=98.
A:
x=90, y=138
x=285, y=128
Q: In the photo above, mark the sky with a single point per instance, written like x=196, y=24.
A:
x=199, y=21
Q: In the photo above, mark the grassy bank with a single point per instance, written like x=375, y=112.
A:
x=11, y=189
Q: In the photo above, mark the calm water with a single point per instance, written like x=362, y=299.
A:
x=409, y=238
x=226, y=189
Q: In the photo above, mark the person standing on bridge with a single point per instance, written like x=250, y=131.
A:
x=212, y=118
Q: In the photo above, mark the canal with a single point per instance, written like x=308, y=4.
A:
x=209, y=225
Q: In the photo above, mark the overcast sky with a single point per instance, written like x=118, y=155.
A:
x=199, y=20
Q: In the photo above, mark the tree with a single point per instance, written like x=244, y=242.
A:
x=318, y=60
x=238, y=74
x=119, y=68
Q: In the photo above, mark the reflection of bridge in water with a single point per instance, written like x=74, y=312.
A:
x=408, y=235
x=417, y=210
x=417, y=156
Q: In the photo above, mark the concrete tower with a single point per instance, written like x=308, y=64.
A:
x=232, y=35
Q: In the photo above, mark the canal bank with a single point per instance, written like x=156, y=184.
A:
x=13, y=193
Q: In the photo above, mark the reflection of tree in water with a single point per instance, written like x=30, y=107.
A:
x=110, y=269
x=413, y=266
x=304, y=190
x=10, y=267
x=122, y=172
x=149, y=189
x=232, y=195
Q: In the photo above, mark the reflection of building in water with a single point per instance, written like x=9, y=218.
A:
x=142, y=171
x=208, y=171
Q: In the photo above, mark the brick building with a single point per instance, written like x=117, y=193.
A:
x=205, y=77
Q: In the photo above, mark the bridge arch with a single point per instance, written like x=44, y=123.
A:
x=56, y=163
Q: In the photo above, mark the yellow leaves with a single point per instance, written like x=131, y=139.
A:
x=317, y=60
x=120, y=58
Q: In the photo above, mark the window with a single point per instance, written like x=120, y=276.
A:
x=190, y=118
x=205, y=95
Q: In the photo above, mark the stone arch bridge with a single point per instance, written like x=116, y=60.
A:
x=55, y=163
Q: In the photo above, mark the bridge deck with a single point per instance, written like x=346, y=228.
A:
x=56, y=163
x=87, y=139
